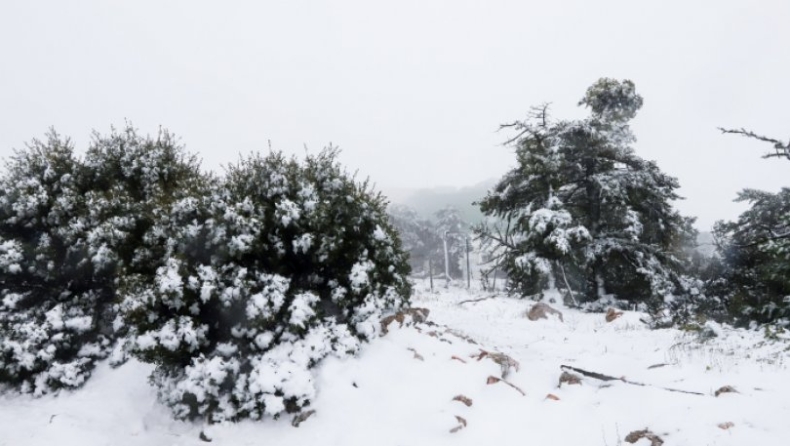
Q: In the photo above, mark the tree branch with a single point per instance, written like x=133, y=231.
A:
x=782, y=149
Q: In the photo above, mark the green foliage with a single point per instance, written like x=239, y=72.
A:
x=285, y=263
x=581, y=208
x=69, y=230
x=756, y=258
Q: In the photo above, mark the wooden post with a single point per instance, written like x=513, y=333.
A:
x=468, y=271
x=446, y=262
x=430, y=273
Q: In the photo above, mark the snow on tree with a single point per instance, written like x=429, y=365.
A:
x=754, y=279
x=49, y=332
x=750, y=282
x=755, y=251
x=286, y=263
x=69, y=229
x=582, y=210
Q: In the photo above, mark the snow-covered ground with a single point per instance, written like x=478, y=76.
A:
x=400, y=390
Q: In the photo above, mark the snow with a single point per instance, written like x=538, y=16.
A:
x=399, y=388
x=302, y=308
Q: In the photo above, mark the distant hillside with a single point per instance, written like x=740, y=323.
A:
x=427, y=201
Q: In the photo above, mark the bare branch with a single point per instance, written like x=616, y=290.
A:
x=782, y=149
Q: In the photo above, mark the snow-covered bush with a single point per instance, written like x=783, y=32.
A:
x=286, y=263
x=49, y=301
x=69, y=229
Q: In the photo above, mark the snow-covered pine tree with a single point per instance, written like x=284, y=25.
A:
x=289, y=262
x=583, y=209
x=69, y=231
x=755, y=250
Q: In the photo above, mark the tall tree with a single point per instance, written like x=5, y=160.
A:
x=756, y=249
x=581, y=205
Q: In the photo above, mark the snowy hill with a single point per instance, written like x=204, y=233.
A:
x=413, y=387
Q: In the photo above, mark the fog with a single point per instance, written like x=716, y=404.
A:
x=413, y=92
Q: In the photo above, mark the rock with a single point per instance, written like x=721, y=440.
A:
x=461, y=424
x=635, y=436
x=506, y=363
x=299, y=419
x=464, y=399
x=542, y=311
x=726, y=389
x=408, y=316
x=569, y=378
x=725, y=426
x=612, y=314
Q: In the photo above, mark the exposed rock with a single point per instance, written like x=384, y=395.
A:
x=569, y=378
x=461, y=424
x=506, y=363
x=635, y=436
x=552, y=397
x=542, y=311
x=463, y=399
x=298, y=419
x=416, y=355
x=612, y=314
x=726, y=425
x=408, y=316
x=725, y=389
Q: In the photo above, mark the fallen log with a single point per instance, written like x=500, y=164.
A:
x=602, y=377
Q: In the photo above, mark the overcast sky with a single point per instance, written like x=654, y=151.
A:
x=412, y=91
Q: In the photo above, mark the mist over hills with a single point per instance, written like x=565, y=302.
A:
x=427, y=201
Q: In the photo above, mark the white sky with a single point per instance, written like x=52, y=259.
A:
x=412, y=91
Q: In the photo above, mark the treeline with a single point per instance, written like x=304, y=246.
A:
x=426, y=240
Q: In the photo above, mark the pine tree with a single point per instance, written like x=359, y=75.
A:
x=583, y=207
x=755, y=251
x=756, y=258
